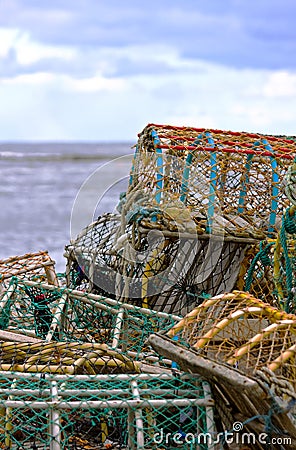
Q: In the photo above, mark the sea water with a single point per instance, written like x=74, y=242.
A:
x=39, y=187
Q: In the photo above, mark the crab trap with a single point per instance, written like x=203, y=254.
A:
x=40, y=314
x=77, y=373
x=245, y=349
x=35, y=266
x=41, y=412
x=198, y=202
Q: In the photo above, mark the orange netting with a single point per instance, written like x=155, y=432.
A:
x=242, y=331
x=31, y=265
x=227, y=181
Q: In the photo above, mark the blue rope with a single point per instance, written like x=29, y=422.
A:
x=213, y=183
x=275, y=189
x=185, y=178
x=140, y=212
x=159, y=166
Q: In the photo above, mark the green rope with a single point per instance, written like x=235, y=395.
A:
x=140, y=212
x=289, y=221
x=291, y=183
x=263, y=256
x=269, y=426
x=5, y=313
x=287, y=224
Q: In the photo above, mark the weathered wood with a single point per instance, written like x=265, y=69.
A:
x=16, y=337
x=248, y=398
x=51, y=274
x=242, y=223
x=190, y=361
x=176, y=234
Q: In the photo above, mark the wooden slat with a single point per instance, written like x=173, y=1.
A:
x=17, y=337
x=248, y=398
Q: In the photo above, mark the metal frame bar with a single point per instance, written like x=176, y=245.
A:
x=102, y=404
x=94, y=300
x=135, y=402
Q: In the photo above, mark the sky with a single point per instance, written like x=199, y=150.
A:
x=100, y=70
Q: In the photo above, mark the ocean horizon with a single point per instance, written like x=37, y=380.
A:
x=40, y=182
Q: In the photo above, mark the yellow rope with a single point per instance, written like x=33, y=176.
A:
x=152, y=267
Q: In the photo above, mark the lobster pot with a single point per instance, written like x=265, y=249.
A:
x=49, y=328
x=211, y=173
x=245, y=349
x=122, y=411
x=198, y=204
x=152, y=268
x=91, y=256
x=31, y=266
x=240, y=330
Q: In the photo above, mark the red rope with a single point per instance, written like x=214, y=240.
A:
x=232, y=133
x=229, y=150
x=229, y=143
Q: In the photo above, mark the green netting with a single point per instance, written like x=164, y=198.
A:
x=104, y=411
x=70, y=375
x=269, y=270
x=48, y=313
x=204, y=213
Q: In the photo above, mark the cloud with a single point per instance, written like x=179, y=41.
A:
x=7, y=37
x=92, y=69
x=57, y=106
x=93, y=84
x=39, y=78
x=19, y=54
x=239, y=34
x=280, y=84
x=29, y=52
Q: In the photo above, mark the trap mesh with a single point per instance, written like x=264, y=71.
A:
x=161, y=270
x=198, y=204
x=212, y=174
x=201, y=216
x=91, y=255
x=70, y=364
x=244, y=332
x=268, y=270
x=103, y=411
x=75, y=323
x=38, y=266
